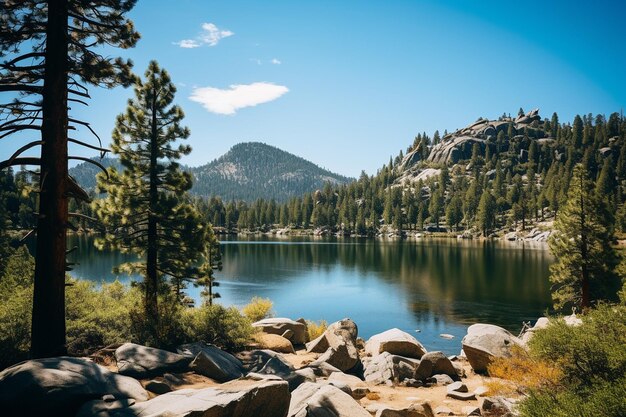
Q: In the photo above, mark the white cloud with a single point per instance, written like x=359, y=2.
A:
x=211, y=35
x=228, y=101
x=276, y=61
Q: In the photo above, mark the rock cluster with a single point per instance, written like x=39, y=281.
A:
x=341, y=382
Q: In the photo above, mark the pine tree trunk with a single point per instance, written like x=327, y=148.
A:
x=152, y=279
x=48, y=319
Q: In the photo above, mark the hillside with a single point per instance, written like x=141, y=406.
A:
x=253, y=170
x=248, y=171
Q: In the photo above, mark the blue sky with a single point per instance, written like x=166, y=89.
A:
x=346, y=84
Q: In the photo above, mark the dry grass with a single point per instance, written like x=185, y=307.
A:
x=315, y=330
x=524, y=371
x=258, y=309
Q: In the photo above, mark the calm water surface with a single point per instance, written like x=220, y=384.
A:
x=424, y=287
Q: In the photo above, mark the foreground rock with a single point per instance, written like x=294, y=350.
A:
x=484, y=342
x=388, y=368
x=233, y=399
x=337, y=345
x=434, y=363
x=59, y=386
x=292, y=330
x=314, y=400
x=396, y=342
x=212, y=362
x=269, y=363
x=142, y=361
x=275, y=342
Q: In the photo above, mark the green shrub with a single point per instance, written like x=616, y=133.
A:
x=258, y=309
x=224, y=327
x=314, y=329
x=592, y=360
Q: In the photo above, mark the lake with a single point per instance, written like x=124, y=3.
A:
x=425, y=287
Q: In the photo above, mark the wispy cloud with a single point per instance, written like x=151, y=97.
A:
x=211, y=35
x=275, y=61
x=235, y=97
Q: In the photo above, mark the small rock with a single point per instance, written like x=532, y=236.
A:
x=414, y=410
x=396, y=342
x=462, y=396
x=442, y=379
x=446, y=336
x=471, y=411
x=442, y=410
x=412, y=383
x=435, y=363
x=275, y=342
x=458, y=387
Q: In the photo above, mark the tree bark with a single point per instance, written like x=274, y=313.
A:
x=48, y=319
x=152, y=279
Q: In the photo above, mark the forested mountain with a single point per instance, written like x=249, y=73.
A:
x=85, y=173
x=248, y=171
x=493, y=174
x=253, y=170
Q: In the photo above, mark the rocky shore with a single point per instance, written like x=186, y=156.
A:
x=337, y=374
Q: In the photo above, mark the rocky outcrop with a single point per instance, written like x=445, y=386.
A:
x=60, y=386
x=313, y=400
x=233, y=399
x=456, y=149
x=358, y=388
x=212, y=362
x=396, y=342
x=143, y=362
x=388, y=368
x=337, y=345
x=294, y=331
x=484, y=342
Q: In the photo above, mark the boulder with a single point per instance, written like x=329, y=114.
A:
x=541, y=323
x=442, y=410
x=387, y=367
x=396, y=342
x=471, y=410
x=484, y=342
x=357, y=387
x=267, y=362
x=339, y=345
x=212, y=362
x=499, y=406
x=459, y=391
x=442, y=379
x=313, y=400
x=232, y=399
x=142, y=361
x=280, y=325
x=433, y=363
x=60, y=386
x=275, y=342
x=413, y=410
x=323, y=369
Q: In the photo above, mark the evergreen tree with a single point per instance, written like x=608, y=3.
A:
x=145, y=210
x=49, y=51
x=435, y=207
x=454, y=212
x=486, y=212
x=584, y=270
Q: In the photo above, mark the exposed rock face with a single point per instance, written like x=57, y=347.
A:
x=387, y=367
x=396, y=342
x=212, y=362
x=455, y=149
x=60, y=386
x=233, y=399
x=280, y=325
x=484, y=342
x=338, y=345
x=433, y=363
x=143, y=361
x=276, y=343
x=314, y=400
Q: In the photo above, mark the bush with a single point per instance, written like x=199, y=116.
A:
x=224, y=327
x=570, y=370
x=258, y=309
x=314, y=329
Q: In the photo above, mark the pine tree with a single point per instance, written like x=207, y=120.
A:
x=50, y=57
x=584, y=270
x=454, y=212
x=145, y=209
x=486, y=212
x=435, y=207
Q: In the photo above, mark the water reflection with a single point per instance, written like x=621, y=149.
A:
x=434, y=286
